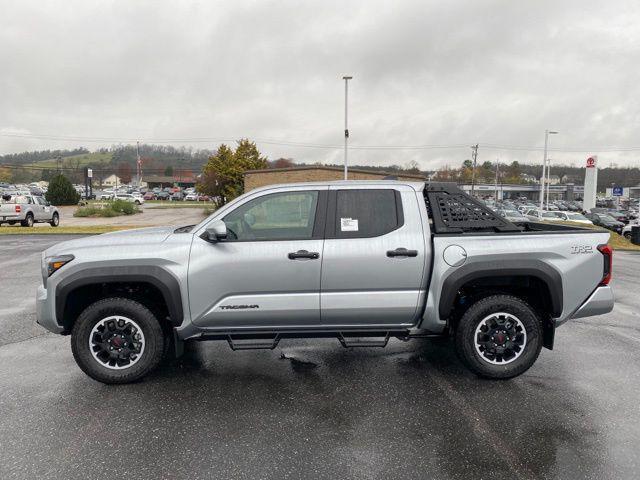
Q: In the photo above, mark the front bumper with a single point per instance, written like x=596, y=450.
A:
x=600, y=302
x=46, y=311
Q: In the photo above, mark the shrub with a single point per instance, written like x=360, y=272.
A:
x=61, y=192
x=111, y=209
x=123, y=207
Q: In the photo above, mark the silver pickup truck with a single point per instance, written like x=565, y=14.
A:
x=363, y=261
x=27, y=210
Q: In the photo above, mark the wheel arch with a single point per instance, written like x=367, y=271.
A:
x=77, y=290
x=534, y=281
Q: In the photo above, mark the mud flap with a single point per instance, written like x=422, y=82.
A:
x=548, y=333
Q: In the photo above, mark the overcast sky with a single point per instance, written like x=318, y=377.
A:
x=425, y=73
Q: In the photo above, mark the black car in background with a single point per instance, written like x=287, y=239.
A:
x=606, y=221
x=617, y=215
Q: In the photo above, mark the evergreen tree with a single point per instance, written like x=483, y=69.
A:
x=61, y=191
x=222, y=176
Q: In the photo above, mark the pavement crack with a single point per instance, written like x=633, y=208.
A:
x=24, y=339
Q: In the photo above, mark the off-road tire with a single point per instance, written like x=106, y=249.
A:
x=28, y=221
x=94, y=313
x=466, y=331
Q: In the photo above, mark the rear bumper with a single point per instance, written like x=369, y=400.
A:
x=600, y=302
x=46, y=312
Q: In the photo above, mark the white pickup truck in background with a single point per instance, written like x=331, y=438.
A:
x=27, y=209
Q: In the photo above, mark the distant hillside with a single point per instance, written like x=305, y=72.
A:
x=26, y=158
x=78, y=161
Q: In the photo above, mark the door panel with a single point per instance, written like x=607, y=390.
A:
x=361, y=285
x=267, y=273
x=254, y=284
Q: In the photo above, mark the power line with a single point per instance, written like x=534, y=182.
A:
x=288, y=143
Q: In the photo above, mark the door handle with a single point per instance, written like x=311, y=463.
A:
x=303, y=254
x=402, y=252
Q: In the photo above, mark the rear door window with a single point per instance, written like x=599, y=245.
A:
x=367, y=213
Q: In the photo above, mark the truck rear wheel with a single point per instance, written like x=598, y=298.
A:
x=499, y=337
x=28, y=221
x=117, y=340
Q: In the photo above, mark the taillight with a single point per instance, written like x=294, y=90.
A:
x=607, y=253
x=18, y=208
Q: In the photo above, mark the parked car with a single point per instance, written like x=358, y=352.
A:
x=536, y=215
x=27, y=209
x=619, y=216
x=573, y=217
x=149, y=196
x=163, y=195
x=204, y=198
x=177, y=197
x=127, y=197
x=626, y=231
x=191, y=197
x=604, y=220
x=387, y=260
x=512, y=215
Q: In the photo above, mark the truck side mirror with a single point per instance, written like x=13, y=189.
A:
x=216, y=231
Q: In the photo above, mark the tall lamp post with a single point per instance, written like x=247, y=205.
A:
x=346, y=127
x=544, y=165
x=548, y=179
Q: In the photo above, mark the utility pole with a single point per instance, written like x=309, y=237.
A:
x=496, y=182
x=138, y=164
x=474, y=156
x=346, y=126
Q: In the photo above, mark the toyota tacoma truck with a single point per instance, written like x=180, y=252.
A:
x=361, y=261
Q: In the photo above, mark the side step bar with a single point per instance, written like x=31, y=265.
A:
x=253, y=344
x=348, y=339
x=358, y=341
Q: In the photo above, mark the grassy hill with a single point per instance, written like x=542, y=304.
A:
x=80, y=161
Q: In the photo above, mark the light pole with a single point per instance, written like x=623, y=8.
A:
x=474, y=149
x=544, y=164
x=346, y=127
x=548, y=179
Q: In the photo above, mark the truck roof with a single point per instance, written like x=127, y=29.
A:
x=415, y=185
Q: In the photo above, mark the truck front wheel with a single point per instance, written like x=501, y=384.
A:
x=117, y=340
x=499, y=337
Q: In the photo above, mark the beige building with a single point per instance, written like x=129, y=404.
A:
x=111, y=181
x=315, y=173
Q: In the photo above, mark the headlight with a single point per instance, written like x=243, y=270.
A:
x=53, y=264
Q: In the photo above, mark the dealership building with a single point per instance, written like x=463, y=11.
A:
x=316, y=173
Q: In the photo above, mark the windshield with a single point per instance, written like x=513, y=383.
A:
x=576, y=216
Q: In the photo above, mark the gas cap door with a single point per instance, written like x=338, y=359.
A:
x=454, y=255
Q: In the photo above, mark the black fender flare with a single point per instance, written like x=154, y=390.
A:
x=152, y=274
x=501, y=268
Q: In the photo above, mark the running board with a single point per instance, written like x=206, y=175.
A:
x=253, y=344
x=355, y=338
x=350, y=341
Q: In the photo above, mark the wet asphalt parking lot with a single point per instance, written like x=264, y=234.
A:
x=408, y=411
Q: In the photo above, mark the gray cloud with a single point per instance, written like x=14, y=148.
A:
x=494, y=72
